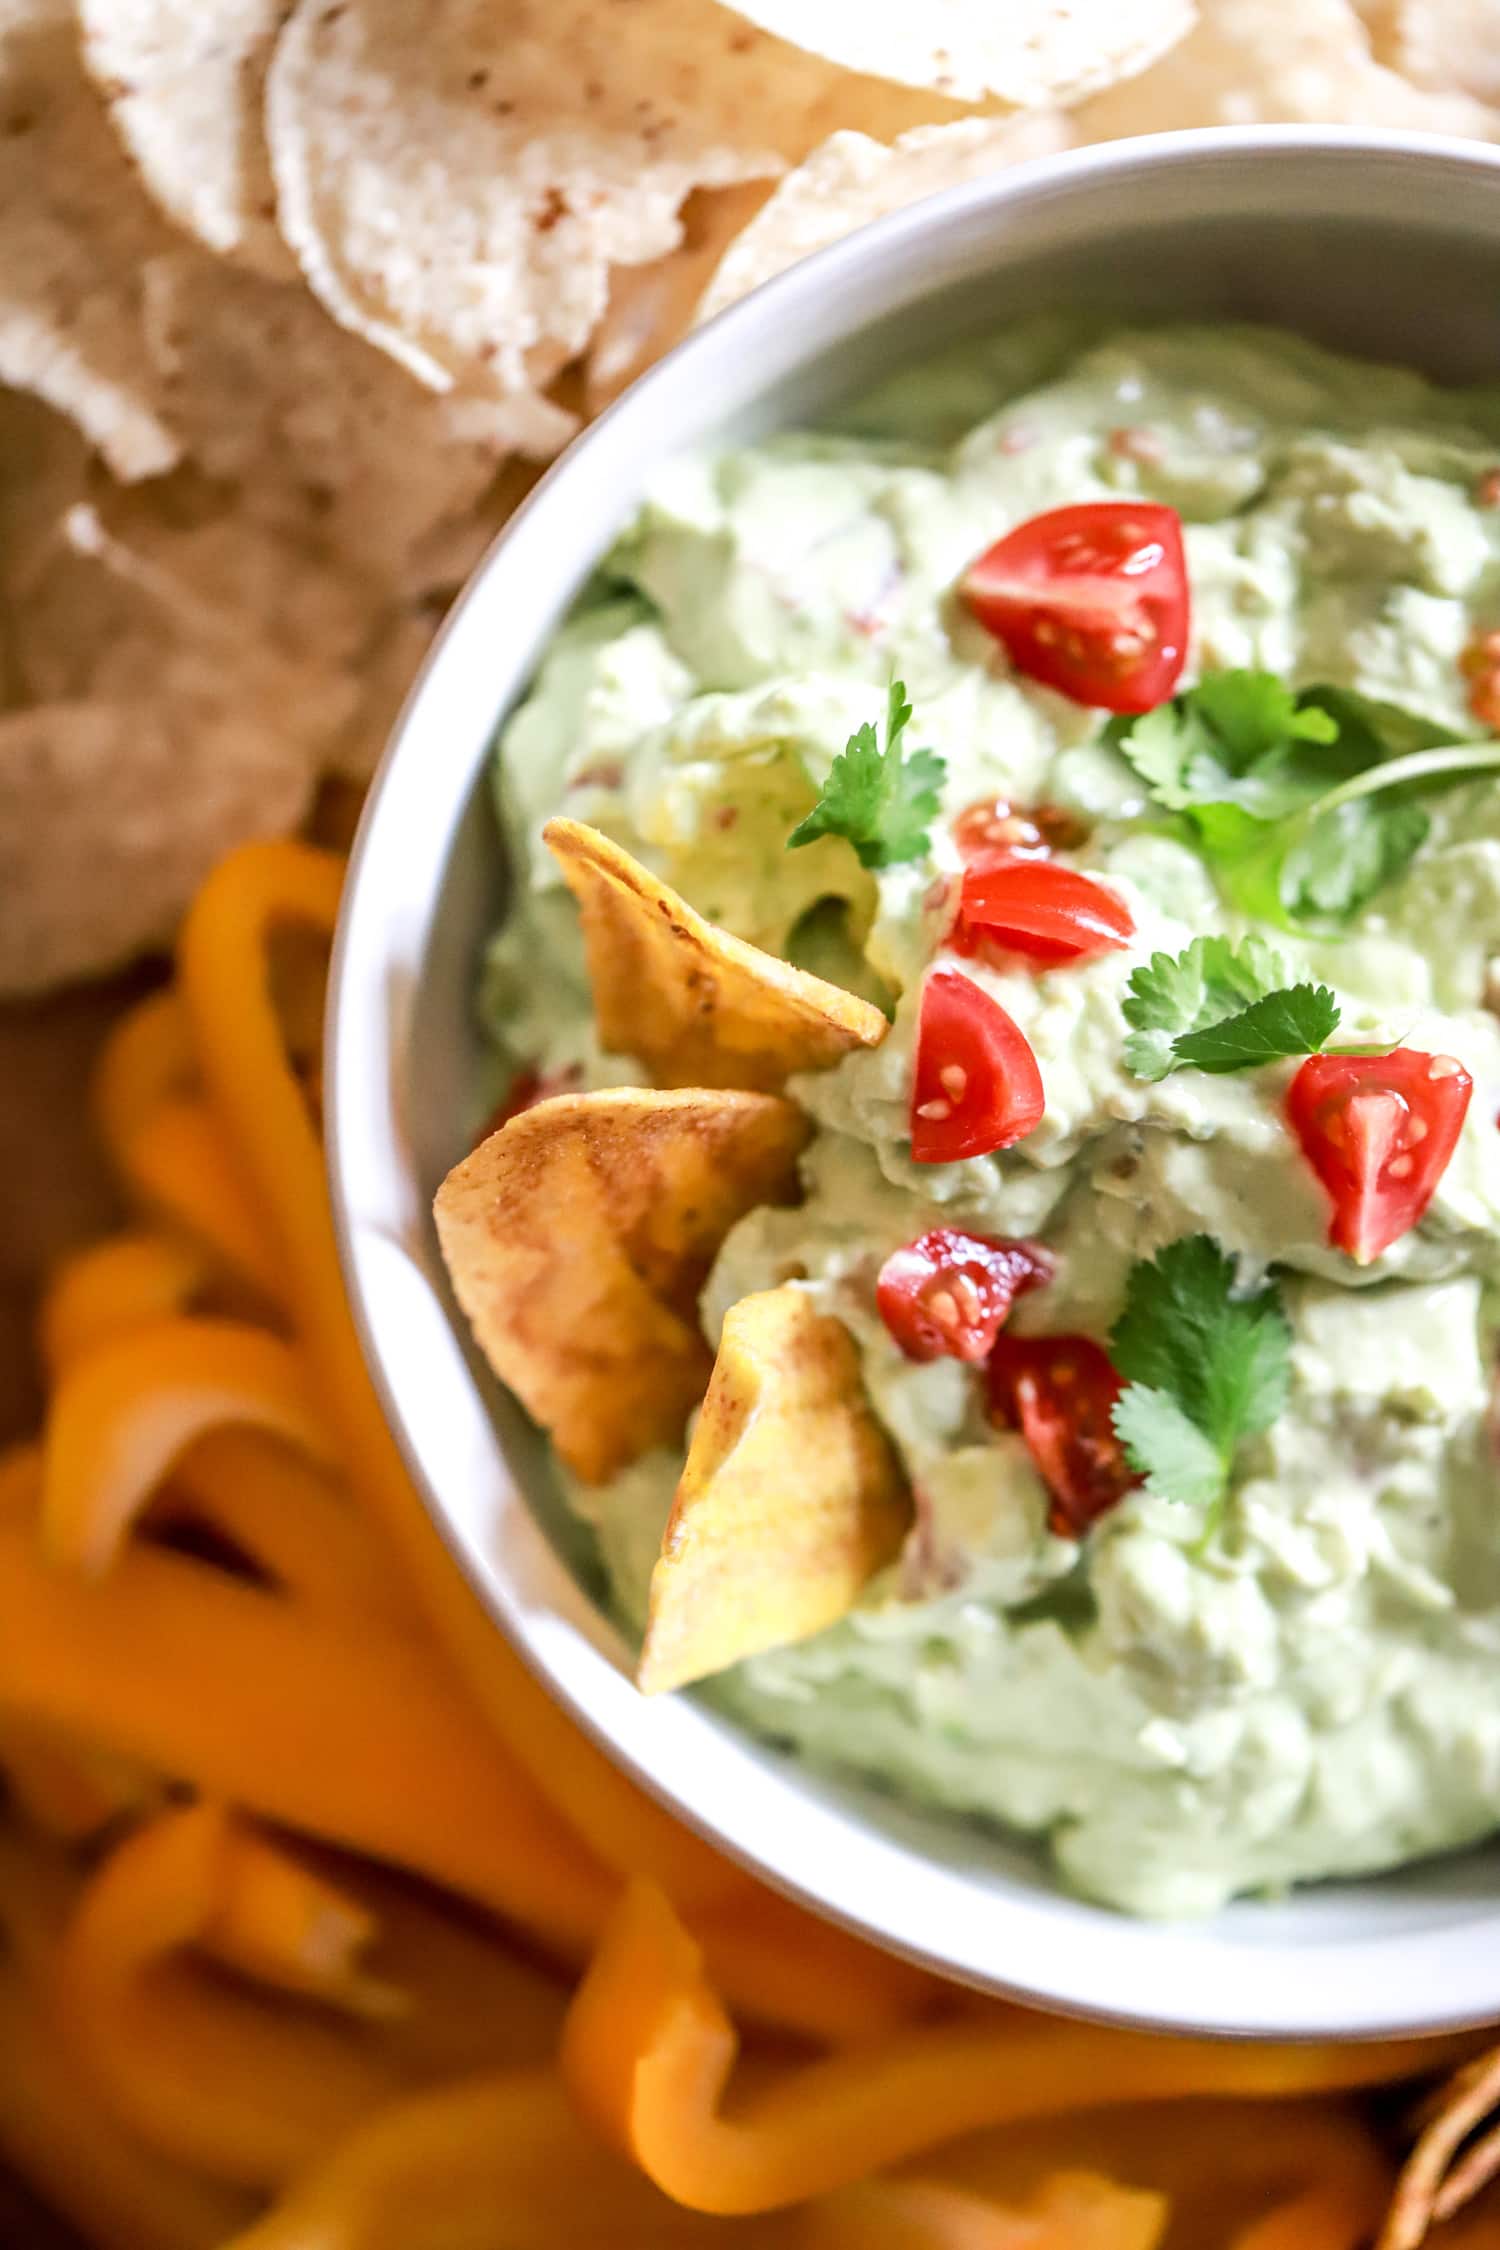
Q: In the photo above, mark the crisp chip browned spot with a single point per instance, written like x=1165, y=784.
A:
x=791, y=1498
x=1457, y=2156
x=578, y=1237
x=695, y=1005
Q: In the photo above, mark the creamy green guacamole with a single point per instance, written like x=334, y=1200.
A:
x=1315, y=1688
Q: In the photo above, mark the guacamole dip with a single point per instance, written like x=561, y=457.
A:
x=1199, y=633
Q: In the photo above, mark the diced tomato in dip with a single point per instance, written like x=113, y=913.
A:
x=950, y=1294
x=1091, y=600
x=1060, y=1392
x=995, y=830
x=976, y=1086
x=1036, y=907
x=1378, y=1130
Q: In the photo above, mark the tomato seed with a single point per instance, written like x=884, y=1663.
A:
x=1443, y=1066
x=935, y=1112
x=955, y=1080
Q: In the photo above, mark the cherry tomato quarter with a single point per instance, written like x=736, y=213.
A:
x=1378, y=1130
x=1091, y=600
x=1036, y=907
x=975, y=1084
x=949, y=1294
x=1060, y=1392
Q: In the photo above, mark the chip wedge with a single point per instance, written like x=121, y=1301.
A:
x=791, y=1497
x=695, y=1005
x=577, y=1238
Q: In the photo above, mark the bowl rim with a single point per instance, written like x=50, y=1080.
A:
x=570, y=1657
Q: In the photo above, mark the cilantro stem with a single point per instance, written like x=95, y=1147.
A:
x=1417, y=765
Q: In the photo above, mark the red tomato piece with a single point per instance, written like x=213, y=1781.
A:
x=951, y=1293
x=1378, y=1130
x=1042, y=909
x=1090, y=600
x=1059, y=1392
x=995, y=830
x=976, y=1086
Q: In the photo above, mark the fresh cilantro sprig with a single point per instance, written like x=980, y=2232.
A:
x=1220, y=1007
x=1302, y=802
x=883, y=800
x=1207, y=1364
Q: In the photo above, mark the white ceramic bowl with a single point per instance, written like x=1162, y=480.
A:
x=1387, y=246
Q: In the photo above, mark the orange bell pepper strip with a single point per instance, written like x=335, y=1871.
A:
x=283, y=1924
x=20, y=1483
x=121, y=1417
x=227, y=990
x=648, y=2052
x=292, y=1521
x=147, y=1059
x=112, y=1287
x=490, y=2160
x=81, y=2160
x=1070, y=2211
x=178, y=1167
x=207, y=2072
x=66, y=1789
x=783, y=1966
x=351, y=1735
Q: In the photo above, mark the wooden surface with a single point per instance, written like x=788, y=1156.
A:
x=53, y=1189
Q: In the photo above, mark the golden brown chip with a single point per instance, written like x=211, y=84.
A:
x=1457, y=2156
x=695, y=1005
x=577, y=1238
x=791, y=1498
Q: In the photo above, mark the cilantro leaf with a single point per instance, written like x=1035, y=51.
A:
x=1279, y=788
x=1221, y=1354
x=882, y=800
x=1177, y=1461
x=1220, y=1007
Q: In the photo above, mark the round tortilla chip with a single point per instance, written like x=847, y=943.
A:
x=1027, y=52
x=458, y=180
x=327, y=437
x=1250, y=64
x=184, y=81
x=111, y=815
x=77, y=231
x=852, y=179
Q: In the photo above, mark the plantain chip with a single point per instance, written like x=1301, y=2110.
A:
x=791, y=1497
x=577, y=1238
x=695, y=1005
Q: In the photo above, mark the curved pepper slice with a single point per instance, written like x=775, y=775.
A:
x=109, y=1288
x=648, y=2053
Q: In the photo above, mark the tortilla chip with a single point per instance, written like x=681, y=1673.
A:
x=1027, y=52
x=1248, y=64
x=1457, y=2156
x=577, y=1238
x=459, y=180
x=651, y=307
x=77, y=231
x=112, y=814
x=184, y=81
x=1448, y=46
x=696, y=1006
x=792, y=1496
x=852, y=179
x=327, y=438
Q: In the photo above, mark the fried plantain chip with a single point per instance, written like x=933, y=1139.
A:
x=695, y=1005
x=578, y=1237
x=791, y=1497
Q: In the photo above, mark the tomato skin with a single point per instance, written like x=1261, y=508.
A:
x=1091, y=600
x=1378, y=1130
x=1059, y=1392
x=975, y=1082
x=994, y=831
x=1039, y=908
x=949, y=1294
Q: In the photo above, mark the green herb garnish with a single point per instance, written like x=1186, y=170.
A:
x=1301, y=802
x=1220, y=1007
x=882, y=800
x=1207, y=1364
